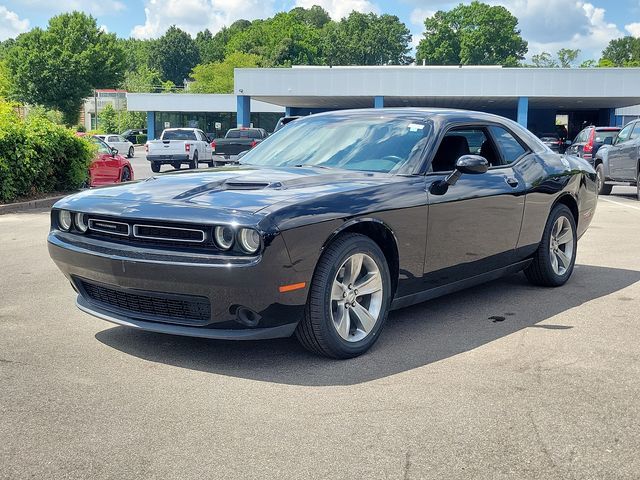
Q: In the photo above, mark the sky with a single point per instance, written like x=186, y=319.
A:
x=547, y=25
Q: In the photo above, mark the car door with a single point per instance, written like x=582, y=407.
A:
x=205, y=145
x=631, y=155
x=474, y=226
x=617, y=151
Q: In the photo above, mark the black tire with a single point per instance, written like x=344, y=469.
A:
x=155, y=167
x=638, y=184
x=131, y=152
x=176, y=165
x=541, y=271
x=194, y=162
x=212, y=164
x=125, y=176
x=603, y=188
x=316, y=331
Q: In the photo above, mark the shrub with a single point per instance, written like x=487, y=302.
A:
x=39, y=156
x=141, y=139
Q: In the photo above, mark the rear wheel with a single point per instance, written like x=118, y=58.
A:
x=194, y=162
x=554, y=260
x=125, y=176
x=131, y=152
x=176, y=165
x=155, y=167
x=348, y=300
x=603, y=188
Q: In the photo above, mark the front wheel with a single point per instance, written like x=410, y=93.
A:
x=556, y=255
x=348, y=299
x=131, y=152
x=603, y=188
x=125, y=176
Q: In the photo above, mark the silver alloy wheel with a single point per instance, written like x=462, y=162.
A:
x=561, y=245
x=356, y=297
x=599, y=181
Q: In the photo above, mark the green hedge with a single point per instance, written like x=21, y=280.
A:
x=38, y=156
x=141, y=139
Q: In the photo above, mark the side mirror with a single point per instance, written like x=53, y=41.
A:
x=608, y=141
x=467, y=164
x=471, y=164
x=114, y=152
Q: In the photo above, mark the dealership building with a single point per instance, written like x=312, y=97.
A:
x=538, y=98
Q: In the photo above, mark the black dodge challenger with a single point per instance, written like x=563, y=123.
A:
x=325, y=227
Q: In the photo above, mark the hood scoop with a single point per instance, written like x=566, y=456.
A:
x=237, y=185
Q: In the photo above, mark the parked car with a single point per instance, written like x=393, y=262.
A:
x=131, y=135
x=590, y=139
x=618, y=160
x=322, y=231
x=237, y=140
x=124, y=146
x=180, y=145
x=282, y=121
x=552, y=141
x=109, y=166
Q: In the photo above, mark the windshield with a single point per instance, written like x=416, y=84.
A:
x=238, y=133
x=374, y=143
x=179, y=135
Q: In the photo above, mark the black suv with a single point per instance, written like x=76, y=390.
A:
x=589, y=140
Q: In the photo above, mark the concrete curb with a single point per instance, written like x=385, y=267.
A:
x=30, y=205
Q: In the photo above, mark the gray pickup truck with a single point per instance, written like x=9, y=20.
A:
x=237, y=140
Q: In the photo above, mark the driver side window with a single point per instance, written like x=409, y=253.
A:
x=624, y=134
x=463, y=141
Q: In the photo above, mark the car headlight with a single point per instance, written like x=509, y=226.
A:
x=82, y=222
x=64, y=220
x=249, y=240
x=223, y=236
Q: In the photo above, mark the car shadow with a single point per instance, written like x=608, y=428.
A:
x=413, y=337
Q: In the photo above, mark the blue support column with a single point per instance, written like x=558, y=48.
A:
x=244, y=111
x=612, y=117
x=151, y=125
x=287, y=111
x=523, y=111
x=378, y=101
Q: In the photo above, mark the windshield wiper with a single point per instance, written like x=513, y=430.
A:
x=309, y=165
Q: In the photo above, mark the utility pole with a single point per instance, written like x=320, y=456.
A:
x=95, y=107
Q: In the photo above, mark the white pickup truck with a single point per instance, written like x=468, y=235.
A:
x=177, y=146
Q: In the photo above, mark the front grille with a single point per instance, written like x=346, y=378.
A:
x=174, y=234
x=153, y=306
x=153, y=233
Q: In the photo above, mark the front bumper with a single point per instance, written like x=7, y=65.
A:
x=241, y=294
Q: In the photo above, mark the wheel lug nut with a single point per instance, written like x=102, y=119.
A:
x=344, y=294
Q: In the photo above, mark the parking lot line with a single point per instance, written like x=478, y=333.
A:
x=619, y=203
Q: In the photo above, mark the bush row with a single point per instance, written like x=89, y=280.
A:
x=38, y=156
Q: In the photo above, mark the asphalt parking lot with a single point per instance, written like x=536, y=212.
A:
x=502, y=381
x=142, y=167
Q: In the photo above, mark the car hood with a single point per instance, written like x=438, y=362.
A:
x=241, y=188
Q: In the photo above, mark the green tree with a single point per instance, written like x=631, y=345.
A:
x=143, y=80
x=544, y=60
x=475, y=34
x=589, y=64
x=367, y=39
x=621, y=52
x=567, y=57
x=218, y=77
x=137, y=52
x=5, y=81
x=280, y=40
x=174, y=55
x=315, y=16
x=107, y=119
x=60, y=66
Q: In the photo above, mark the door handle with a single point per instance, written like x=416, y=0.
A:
x=511, y=181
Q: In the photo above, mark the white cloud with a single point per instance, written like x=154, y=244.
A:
x=10, y=24
x=195, y=15
x=633, y=29
x=419, y=15
x=341, y=8
x=93, y=7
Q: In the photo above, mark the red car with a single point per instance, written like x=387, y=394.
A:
x=108, y=167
